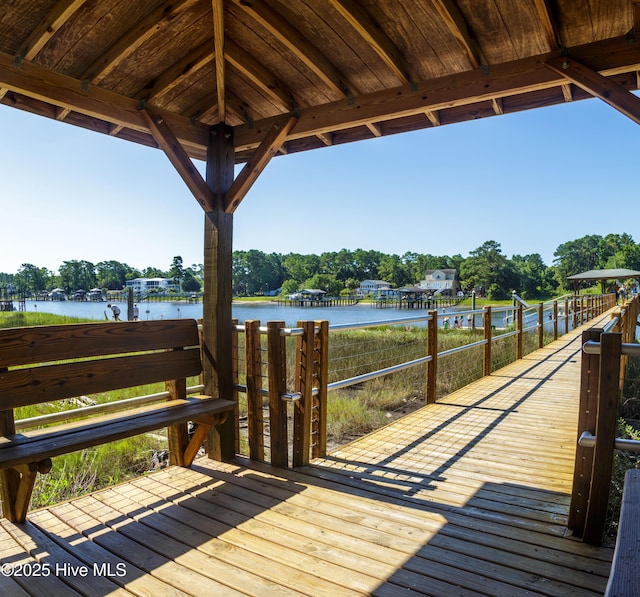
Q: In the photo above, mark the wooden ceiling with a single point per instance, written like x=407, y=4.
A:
x=347, y=70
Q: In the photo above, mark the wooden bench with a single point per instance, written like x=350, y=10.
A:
x=624, y=579
x=44, y=364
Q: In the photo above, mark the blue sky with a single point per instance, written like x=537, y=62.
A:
x=529, y=181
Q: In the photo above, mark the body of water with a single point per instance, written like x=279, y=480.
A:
x=262, y=311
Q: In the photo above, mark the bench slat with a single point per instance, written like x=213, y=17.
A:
x=40, y=344
x=36, y=445
x=21, y=387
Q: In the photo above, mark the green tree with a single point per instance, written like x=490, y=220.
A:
x=31, y=279
x=75, y=275
x=176, y=271
x=576, y=256
x=486, y=267
x=113, y=275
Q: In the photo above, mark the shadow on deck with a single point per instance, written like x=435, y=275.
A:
x=466, y=497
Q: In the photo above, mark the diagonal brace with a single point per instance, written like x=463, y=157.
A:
x=592, y=82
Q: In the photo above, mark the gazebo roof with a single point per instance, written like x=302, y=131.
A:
x=605, y=274
x=312, y=73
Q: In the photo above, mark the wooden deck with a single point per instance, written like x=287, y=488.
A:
x=466, y=497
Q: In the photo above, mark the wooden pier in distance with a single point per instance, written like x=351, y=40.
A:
x=468, y=496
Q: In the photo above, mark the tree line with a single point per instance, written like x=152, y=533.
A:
x=340, y=272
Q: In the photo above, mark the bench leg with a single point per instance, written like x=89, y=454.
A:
x=17, y=487
x=199, y=436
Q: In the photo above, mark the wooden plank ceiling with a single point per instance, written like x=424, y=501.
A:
x=346, y=70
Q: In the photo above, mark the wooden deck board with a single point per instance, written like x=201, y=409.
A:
x=465, y=497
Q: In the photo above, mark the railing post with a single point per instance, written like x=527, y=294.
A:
x=605, y=432
x=253, y=367
x=575, y=312
x=540, y=325
x=519, y=328
x=303, y=385
x=486, y=321
x=589, y=375
x=277, y=373
x=566, y=316
x=235, y=379
x=555, y=320
x=432, y=351
x=321, y=375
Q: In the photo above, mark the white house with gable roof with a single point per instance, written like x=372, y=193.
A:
x=439, y=281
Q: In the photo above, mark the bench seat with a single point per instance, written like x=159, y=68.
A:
x=34, y=446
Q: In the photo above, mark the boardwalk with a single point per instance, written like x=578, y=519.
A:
x=466, y=497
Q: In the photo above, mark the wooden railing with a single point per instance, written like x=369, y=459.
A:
x=605, y=353
x=283, y=373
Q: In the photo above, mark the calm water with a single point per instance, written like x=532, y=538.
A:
x=243, y=311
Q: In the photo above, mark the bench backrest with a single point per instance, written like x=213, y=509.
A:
x=98, y=357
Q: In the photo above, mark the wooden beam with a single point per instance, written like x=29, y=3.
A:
x=496, y=104
x=256, y=164
x=356, y=15
x=610, y=57
x=181, y=162
x=457, y=25
x=218, y=44
x=48, y=27
x=594, y=83
x=433, y=116
x=65, y=92
x=139, y=33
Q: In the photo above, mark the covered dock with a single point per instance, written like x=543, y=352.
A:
x=468, y=496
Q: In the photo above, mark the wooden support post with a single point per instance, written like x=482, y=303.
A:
x=566, y=316
x=277, y=372
x=555, y=320
x=253, y=367
x=589, y=375
x=235, y=374
x=217, y=317
x=432, y=351
x=606, y=427
x=303, y=385
x=540, y=325
x=177, y=435
x=486, y=320
x=321, y=376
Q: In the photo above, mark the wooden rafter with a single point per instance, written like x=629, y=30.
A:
x=594, y=83
x=177, y=72
x=178, y=157
x=134, y=38
x=370, y=31
x=257, y=163
x=218, y=44
x=549, y=24
x=636, y=16
x=290, y=37
x=47, y=28
x=259, y=75
x=457, y=25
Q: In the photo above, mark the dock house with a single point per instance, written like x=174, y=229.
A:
x=421, y=506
